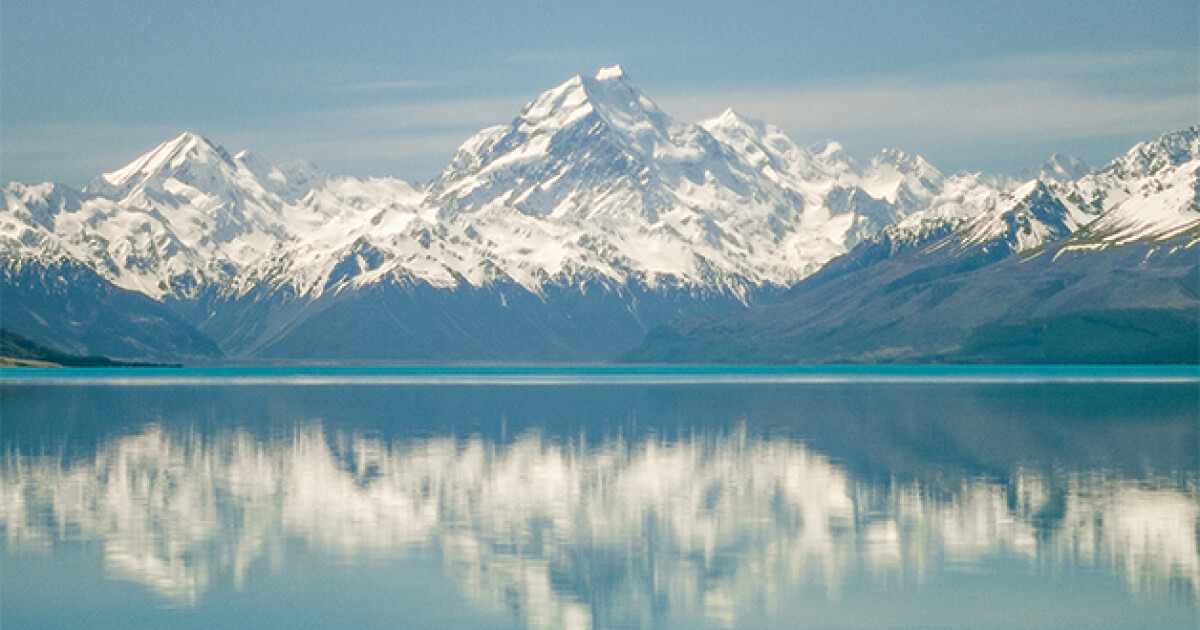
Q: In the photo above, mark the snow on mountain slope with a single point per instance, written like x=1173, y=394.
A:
x=183, y=215
x=132, y=247
x=1027, y=219
x=856, y=202
x=1097, y=270
x=1148, y=194
x=593, y=179
x=1059, y=168
x=893, y=175
x=591, y=182
x=27, y=221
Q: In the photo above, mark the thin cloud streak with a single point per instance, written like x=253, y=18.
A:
x=377, y=86
x=456, y=113
x=1000, y=106
x=962, y=113
x=1079, y=64
x=1000, y=102
x=354, y=154
x=993, y=105
x=76, y=152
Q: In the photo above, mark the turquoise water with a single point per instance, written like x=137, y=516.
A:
x=599, y=374
x=598, y=496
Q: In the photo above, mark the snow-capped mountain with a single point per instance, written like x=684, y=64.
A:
x=185, y=214
x=1059, y=168
x=1148, y=194
x=1100, y=269
x=592, y=195
x=1026, y=219
x=592, y=181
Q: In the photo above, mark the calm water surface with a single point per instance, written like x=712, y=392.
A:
x=597, y=497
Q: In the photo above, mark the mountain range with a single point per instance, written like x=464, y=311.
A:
x=595, y=226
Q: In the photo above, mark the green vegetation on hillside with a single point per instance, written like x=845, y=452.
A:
x=1146, y=335
x=19, y=351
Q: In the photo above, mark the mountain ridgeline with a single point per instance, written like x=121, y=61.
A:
x=594, y=226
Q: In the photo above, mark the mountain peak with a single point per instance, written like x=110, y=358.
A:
x=729, y=119
x=1026, y=219
x=1068, y=165
x=1169, y=150
x=744, y=132
x=559, y=105
x=611, y=73
x=893, y=156
x=610, y=96
x=905, y=163
x=1060, y=168
x=171, y=154
x=827, y=149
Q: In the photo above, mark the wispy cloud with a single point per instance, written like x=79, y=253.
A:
x=963, y=112
x=1081, y=63
x=410, y=140
x=74, y=153
x=362, y=152
x=379, y=86
x=579, y=58
x=960, y=115
x=414, y=140
x=979, y=106
x=464, y=112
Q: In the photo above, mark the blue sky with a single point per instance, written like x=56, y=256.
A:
x=392, y=88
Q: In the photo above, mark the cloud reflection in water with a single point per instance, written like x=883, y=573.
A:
x=580, y=535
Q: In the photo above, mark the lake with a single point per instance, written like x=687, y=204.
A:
x=600, y=497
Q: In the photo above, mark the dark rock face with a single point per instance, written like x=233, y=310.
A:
x=932, y=303
x=499, y=322
x=69, y=307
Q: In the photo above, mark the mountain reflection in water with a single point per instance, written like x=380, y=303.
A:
x=582, y=533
